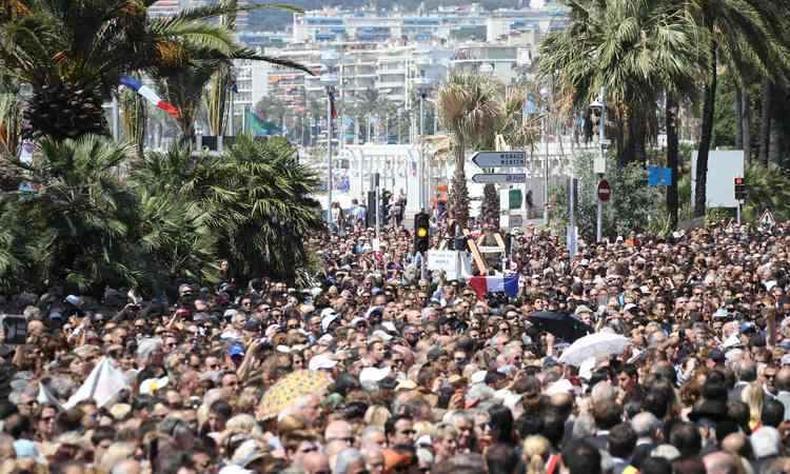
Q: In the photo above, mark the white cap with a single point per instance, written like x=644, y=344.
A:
x=151, y=386
x=369, y=377
x=478, y=377
x=560, y=386
x=378, y=333
x=328, y=316
x=389, y=326
x=321, y=361
x=73, y=299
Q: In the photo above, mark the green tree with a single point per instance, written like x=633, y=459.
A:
x=635, y=51
x=742, y=34
x=73, y=54
x=468, y=107
x=263, y=227
x=133, y=115
x=80, y=224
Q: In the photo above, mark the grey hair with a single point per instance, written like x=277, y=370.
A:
x=148, y=346
x=645, y=424
x=345, y=458
x=584, y=426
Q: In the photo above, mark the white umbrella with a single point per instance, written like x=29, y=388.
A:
x=602, y=344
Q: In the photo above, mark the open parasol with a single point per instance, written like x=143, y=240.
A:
x=561, y=325
x=602, y=344
x=286, y=390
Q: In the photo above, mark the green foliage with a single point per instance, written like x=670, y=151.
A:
x=633, y=206
x=768, y=188
x=262, y=207
x=174, y=219
x=79, y=226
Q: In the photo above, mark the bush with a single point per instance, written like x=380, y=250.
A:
x=633, y=205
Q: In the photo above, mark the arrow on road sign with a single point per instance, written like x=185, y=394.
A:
x=499, y=159
x=767, y=219
x=500, y=178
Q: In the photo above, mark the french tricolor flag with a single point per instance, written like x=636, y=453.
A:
x=150, y=95
x=494, y=284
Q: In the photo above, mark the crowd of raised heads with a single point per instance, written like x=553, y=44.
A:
x=641, y=355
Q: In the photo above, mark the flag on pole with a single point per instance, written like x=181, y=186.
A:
x=483, y=285
x=150, y=95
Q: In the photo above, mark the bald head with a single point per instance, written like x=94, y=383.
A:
x=338, y=436
x=720, y=463
x=128, y=466
x=315, y=462
x=734, y=443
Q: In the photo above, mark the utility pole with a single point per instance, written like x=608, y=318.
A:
x=330, y=92
x=423, y=204
x=545, y=170
x=601, y=168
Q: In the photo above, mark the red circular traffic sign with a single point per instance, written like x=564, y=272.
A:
x=604, y=190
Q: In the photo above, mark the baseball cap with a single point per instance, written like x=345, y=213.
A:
x=328, y=316
x=236, y=350
x=321, y=361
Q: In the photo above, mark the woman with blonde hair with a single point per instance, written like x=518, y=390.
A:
x=536, y=453
x=753, y=395
x=376, y=415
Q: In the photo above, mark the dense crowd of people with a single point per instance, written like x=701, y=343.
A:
x=377, y=370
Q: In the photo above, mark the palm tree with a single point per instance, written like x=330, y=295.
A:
x=221, y=82
x=468, y=107
x=638, y=51
x=73, y=54
x=78, y=225
x=743, y=35
x=134, y=114
x=262, y=227
x=251, y=206
x=174, y=234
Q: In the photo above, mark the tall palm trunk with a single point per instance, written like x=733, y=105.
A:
x=671, y=117
x=746, y=126
x=217, y=100
x=775, y=141
x=134, y=121
x=765, y=121
x=738, y=107
x=459, y=194
x=706, y=134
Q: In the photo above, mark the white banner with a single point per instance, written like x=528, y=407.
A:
x=446, y=261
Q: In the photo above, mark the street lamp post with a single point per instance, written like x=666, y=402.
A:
x=330, y=92
x=600, y=166
x=328, y=80
x=423, y=88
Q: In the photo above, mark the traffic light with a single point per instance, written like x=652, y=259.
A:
x=385, y=209
x=371, y=211
x=740, y=189
x=422, y=234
